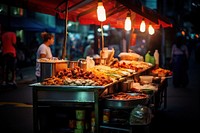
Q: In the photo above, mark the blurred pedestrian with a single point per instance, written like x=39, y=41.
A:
x=9, y=56
x=20, y=57
x=31, y=56
x=85, y=43
x=180, y=62
x=89, y=50
x=114, y=40
x=44, y=51
x=197, y=49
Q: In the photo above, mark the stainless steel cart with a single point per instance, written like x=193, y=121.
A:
x=67, y=96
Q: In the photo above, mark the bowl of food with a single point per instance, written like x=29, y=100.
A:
x=156, y=80
x=146, y=79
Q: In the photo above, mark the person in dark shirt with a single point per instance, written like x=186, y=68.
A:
x=180, y=62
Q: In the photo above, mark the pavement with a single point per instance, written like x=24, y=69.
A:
x=28, y=75
x=16, y=104
x=181, y=114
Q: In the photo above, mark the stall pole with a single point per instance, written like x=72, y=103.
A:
x=102, y=37
x=65, y=38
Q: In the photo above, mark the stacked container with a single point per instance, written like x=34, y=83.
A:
x=80, y=121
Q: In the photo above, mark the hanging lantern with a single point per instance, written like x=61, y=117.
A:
x=127, y=25
x=101, y=12
x=151, y=29
x=142, y=26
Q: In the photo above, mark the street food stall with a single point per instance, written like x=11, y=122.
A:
x=75, y=100
x=57, y=98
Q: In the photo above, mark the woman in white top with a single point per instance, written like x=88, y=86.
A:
x=44, y=51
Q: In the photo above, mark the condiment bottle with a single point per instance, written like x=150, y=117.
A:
x=90, y=62
x=156, y=56
x=147, y=57
x=152, y=60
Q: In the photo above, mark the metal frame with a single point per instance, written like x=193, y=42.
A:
x=66, y=96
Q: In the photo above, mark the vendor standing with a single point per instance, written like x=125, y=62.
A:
x=44, y=51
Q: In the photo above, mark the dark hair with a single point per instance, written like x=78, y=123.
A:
x=46, y=36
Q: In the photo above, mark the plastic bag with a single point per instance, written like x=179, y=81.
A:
x=140, y=115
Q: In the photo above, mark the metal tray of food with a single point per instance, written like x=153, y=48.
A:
x=125, y=100
x=40, y=86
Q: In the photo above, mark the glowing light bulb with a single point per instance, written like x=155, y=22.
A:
x=101, y=12
x=151, y=30
x=127, y=25
x=142, y=26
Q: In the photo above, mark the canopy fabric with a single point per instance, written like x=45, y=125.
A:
x=84, y=11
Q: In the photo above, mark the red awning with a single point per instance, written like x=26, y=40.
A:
x=84, y=11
